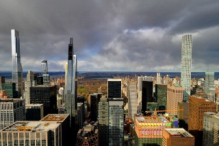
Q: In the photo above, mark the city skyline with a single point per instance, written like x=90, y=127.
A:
x=142, y=36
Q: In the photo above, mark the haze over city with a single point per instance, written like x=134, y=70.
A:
x=111, y=35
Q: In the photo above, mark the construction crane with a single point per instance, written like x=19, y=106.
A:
x=155, y=111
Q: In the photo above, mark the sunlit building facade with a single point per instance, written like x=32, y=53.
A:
x=209, y=88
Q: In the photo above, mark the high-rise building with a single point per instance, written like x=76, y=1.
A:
x=197, y=107
x=28, y=83
x=158, y=80
x=133, y=100
x=80, y=114
x=161, y=96
x=17, y=73
x=116, y=121
x=45, y=75
x=209, y=88
x=32, y=133
x=46, y=95
x=94, y=107
x=70, y=85
x=64, y=135
x=2, y=80
x=103, y=125
x=114, y=87
x=147, y=95
x=174, y=96
x=11, y=110
x=149, y=130
x=34, y=112
x=10, y=89
x=183, y=115
x=177, y=137
x=211, y=129
x=186, y=65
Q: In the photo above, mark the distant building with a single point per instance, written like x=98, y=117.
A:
x=149, y=130
x=34, y=112
x=177, y=137
x=17, y=71
x=10, y=89
x=28, y=83
x=174, y=96
x=2, y=80
x=45, y=95
x=210, y=129
x=116, y=121
x=80, y=114
x=63, y=119
x=158, y=79
x=103, y=123
x=132, y=100
x=45, y=75
x=114, y=87
x=197, y=107
x=87, y=136
x=186, y=63
x=161, y=96
x=11, y=110
x=209, y=88
x=32, y=133
x=94, y=107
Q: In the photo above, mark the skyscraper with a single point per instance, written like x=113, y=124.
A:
x=209, y=85
x=114, y=87
x=28, y=83
x=70, y=95
x=44, y=70
x=147, y=95
x=133, y=100
x=186, y=65
x=17, y=73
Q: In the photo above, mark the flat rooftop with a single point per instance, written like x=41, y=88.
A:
x=32, y=126
x=11, y=99
x=33, y=105
x=147, y=119
x=178, y=132
x=55, y=117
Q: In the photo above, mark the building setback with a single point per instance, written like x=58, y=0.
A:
x=103, y=123
x=197, y=107
x=11, y=110
x=177, y=137
x=45, y=95
x=174, y=96
x=116, y=121
x=186, y=56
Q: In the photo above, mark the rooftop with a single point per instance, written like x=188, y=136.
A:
x=33, y=105
x=32, y=126
x=147, y=119
x=177, y=85
x=11, y=99
x=178, y=132
x=55, y=117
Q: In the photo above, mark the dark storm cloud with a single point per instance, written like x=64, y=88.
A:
x=140, y=35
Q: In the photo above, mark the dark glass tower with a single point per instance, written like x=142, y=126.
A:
x=114, y=88
x=147, y=94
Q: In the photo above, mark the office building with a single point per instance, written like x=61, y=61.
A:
x=94, y=107
x=211, y=129
x=80, y=114
x=11, y=110
x=132, y=100
x=183, y=115
x=28, y=133
x=186, y=65
x=45, y=74
x=10, y=89
x=161, y=96
x=116, y=121
x=103, y=123
x=28, y=83
x=46, y=95
x=197, y=107
x=174, y=96
x=2, y=80
x=158, y=79
x=63, y=120
x=87, y=136
x=114, y=87
x=149, y=130
x=71, y=87
x=209, y=88
x=34, y=112
x=147, y=95
x=17, y=73
x=177, y=137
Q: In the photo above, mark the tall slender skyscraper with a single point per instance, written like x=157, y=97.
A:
x=186, y=65
x=44, y=67
x=209, y=85
x=70, y=94
x=17, y=73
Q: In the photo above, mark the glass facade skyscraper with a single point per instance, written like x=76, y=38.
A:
x=186, y=65
x=209, y=88
x=17, y=73
x=114, y=88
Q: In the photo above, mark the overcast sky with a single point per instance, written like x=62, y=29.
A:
x=111, y=35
